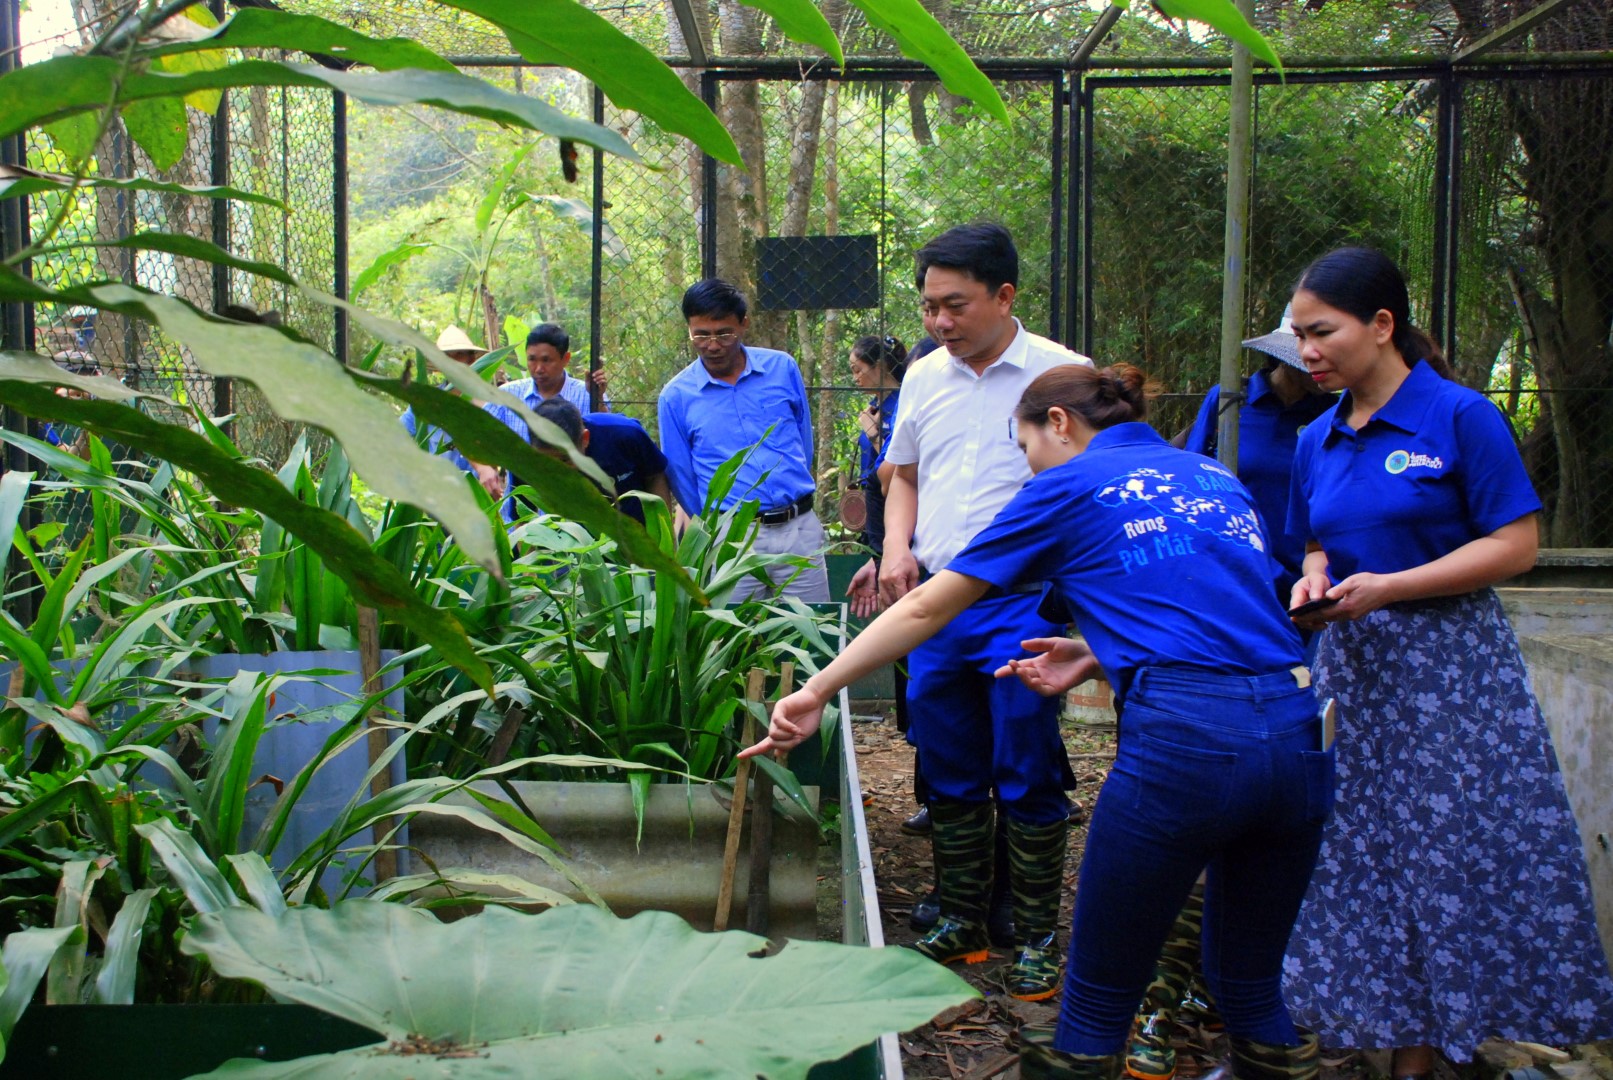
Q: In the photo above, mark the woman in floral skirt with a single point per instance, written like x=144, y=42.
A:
x=1451, y=901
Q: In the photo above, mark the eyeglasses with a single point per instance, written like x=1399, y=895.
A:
x=1013, y=430
x=720, y=337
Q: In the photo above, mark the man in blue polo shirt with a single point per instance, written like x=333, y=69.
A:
x=735, y=397
x=619, y=445
x=548, y=356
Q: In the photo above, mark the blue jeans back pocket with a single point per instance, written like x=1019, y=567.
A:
x=1185, y=790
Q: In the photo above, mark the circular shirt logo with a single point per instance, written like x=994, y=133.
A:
x=1396, y=462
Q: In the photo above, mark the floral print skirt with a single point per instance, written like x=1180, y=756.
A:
x=1451, y=901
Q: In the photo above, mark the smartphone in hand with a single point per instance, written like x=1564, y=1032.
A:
x=1312, y=607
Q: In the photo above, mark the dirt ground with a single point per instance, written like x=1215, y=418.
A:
x=970, y=1043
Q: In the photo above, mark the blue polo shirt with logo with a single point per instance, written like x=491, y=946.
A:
x=1435, y=468
x=1157, y=553
x=1268, y=433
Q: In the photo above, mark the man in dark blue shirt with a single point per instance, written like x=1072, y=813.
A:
x=619, y=445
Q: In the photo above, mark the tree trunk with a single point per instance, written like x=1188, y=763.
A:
x=742, y=193
x=829, y=348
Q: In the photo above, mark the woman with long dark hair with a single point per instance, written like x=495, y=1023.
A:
x=1161, y=558
x=1451, y=902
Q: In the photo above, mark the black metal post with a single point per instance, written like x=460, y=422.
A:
x=1087, y=266
x=1072, y=225
x=1451, y=342
x=219, y=174
x=597, y=264
x=708, y=200
x=338, y=179
x=1055, y=279
x=1441, y=196
x=16, y=323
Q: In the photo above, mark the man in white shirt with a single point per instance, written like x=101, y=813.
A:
x=957, y=465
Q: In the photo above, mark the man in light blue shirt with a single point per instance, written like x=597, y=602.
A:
x=734, y=397
x=548, y=355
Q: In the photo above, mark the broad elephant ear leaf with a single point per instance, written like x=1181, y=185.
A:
x=574, y=989
x=24, y=384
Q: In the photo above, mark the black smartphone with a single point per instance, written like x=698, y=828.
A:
x=1313, y=606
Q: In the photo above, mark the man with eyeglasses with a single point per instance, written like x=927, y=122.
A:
x=734, y=397
x=957, y=464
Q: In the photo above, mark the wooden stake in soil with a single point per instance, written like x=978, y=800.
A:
x=759, y=900
x=369, y=662
x=754, y=683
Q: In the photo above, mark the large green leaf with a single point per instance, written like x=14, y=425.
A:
x=580, y=212
x=800, y=20
x=65, y=86
x=160, y=128
x=265, y=28
x=569, y=992
x=920, y=37
x=303, y=384
x=342, y=549
x=16, y=180
x=564, y=32
x=1222, y=15
x=27, y=956
x=382, y=263
x=560, y=487
x=13, y=492
x=192, y=871
x=114, y=984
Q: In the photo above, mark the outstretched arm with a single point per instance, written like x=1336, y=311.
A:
x=913, y=620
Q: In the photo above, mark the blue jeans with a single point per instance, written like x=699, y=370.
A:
x=1216, y=771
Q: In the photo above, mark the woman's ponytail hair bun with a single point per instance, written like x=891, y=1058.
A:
x=1118, y=394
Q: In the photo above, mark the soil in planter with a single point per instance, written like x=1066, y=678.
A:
x=969, y=1042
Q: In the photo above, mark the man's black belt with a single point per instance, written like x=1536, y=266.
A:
x=786, y=513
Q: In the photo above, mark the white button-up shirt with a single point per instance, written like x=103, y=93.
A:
x=954, y=425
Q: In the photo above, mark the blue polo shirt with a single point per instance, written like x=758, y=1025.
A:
x=705, y=421
x=438, y=442
x=1157, y=553
x=1434, y=469
x=624, y=450
x=1268, y=433
x=621, y=447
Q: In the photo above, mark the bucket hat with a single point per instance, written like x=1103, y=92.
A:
x=1280, y=343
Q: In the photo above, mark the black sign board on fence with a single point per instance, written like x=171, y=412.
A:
x=795, y=273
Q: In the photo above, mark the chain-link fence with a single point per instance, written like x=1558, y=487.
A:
x=272, y=141
x=1485, y=184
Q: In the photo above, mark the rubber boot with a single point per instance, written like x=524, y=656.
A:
x=1198, y=1007
x=1000, y=916
x=1264, y=1061
x=1039, y=1061
x=1151, y=1055
x=927, y=909
x=1036, y=871
x=963, y=841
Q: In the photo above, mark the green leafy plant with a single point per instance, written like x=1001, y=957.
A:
x=643, y=997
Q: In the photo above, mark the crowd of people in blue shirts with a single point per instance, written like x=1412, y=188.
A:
x=1334, y=798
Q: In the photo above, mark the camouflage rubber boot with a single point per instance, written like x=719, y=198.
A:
x=1264, y=1061
x=1151, y=1056
x=1036, y=872
x=1198, y=1007
x=962, y=841
x=1039, y=1061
